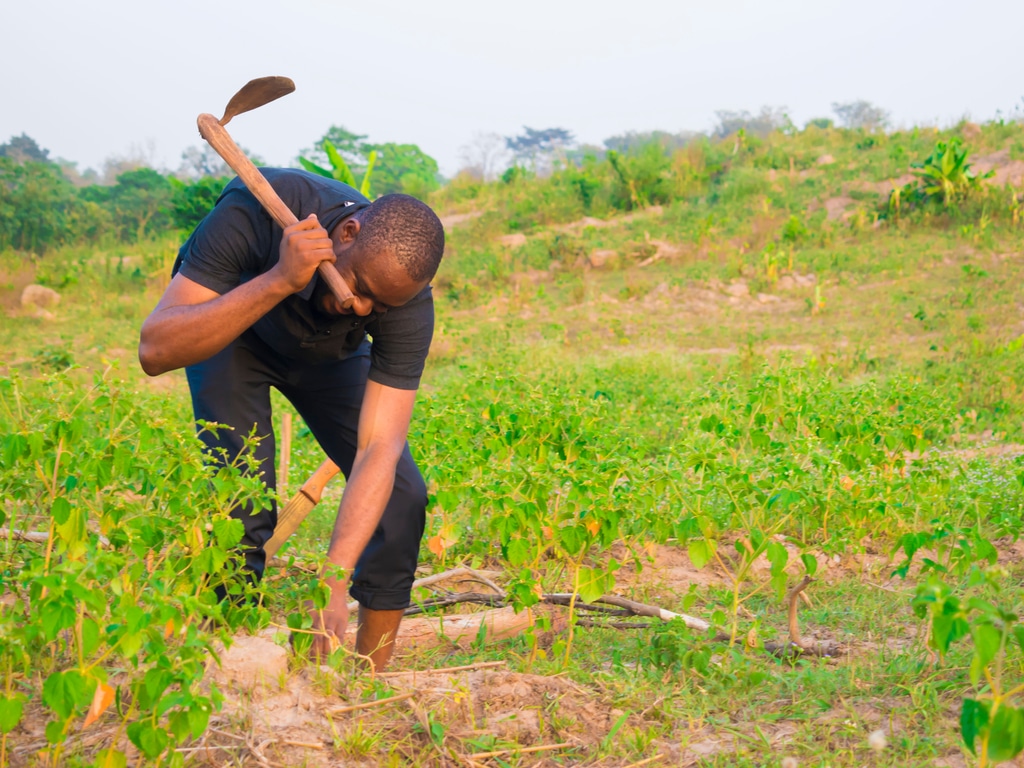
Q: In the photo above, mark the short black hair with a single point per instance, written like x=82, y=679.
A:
x=406, y=227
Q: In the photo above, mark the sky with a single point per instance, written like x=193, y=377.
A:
x=120, y=78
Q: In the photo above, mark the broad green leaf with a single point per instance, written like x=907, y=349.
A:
x=700, y=551
x=371, y=161
x=517, y=552
x=63, y=692
x=199, y=716
x=777, y=556
x=10, y=712
x=60, y=510
x=1006, y=734
x=810, y=563
x=228, y=531
x=110, y=758
x=150, y=740
x=594, y=583
x=987, y=640
x=973, y=721
x=312, y=167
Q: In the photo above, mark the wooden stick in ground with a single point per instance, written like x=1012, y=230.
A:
x=794, y=626
x=286, y=453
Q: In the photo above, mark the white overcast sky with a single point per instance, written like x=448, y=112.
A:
x=109, y=78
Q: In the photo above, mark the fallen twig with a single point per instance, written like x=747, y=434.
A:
x=479, y=665
x=641, y=609
x=38, y=537
x=427, y=581
x=646, y=761
x=614, y=624
x=519, y=750
x=368, y=704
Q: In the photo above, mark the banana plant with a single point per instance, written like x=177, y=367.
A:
x=339, y=170
x=946, y=173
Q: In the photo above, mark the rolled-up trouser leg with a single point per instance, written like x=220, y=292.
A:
x=233, y=388
x=329, y=398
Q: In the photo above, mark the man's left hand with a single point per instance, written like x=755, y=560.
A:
x=329, y=624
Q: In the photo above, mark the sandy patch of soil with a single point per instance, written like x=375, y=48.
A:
x=1007, y=171
x=454, y=219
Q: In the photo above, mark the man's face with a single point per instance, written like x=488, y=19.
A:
x=376, y=280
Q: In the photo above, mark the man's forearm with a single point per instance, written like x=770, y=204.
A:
x=366, y=495
x=183, y=335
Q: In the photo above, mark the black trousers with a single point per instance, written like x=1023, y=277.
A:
x=233, y=388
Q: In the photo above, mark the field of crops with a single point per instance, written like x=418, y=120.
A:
x=783, y=401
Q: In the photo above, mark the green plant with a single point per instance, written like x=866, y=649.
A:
x=945, y=174
x=340, y=170
x=992, y=722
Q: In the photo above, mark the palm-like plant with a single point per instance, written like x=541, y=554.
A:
x=946, y=173
x=340, y=170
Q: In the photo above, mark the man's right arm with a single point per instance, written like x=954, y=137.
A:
x=192, y=323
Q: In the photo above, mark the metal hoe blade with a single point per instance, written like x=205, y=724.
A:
x=256, y=93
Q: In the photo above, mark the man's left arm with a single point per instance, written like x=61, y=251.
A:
x=383, y=428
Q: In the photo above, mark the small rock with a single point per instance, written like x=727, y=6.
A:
x=826, y=160
x=602, y=258
x=39, y=296
x=877, y=740
x=738, y=288
x=805, y=280
x=766, y=298
x=785, y=283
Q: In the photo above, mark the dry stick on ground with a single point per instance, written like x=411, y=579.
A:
x=646, y=761
x=520, y=750
x=368, y=704
x=442, y=670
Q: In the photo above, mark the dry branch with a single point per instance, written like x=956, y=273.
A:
x=519, y=750
x=444, y=670
x=369, y=704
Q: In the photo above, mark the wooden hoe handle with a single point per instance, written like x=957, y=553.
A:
x=300, y=505
x=218, y=138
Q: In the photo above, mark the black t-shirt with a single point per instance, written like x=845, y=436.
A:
x=238, y=241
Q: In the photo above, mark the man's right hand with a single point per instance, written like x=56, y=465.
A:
x=304, y=246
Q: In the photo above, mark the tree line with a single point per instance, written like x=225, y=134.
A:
x=46, y=204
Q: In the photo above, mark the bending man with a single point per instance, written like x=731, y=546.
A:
x=245, y=311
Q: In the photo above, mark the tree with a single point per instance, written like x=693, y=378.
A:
x=538, y=147
x=403, y=168
x=23, y=149
x=203, y=162
x=38, y=207
x=633, y=140
x=190, y=202
x=484, y=156
x=140, y=202
x=860, y=114
x=768, y=120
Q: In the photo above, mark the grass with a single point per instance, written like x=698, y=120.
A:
x=608, y=419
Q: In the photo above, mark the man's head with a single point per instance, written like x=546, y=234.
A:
x=388, y=252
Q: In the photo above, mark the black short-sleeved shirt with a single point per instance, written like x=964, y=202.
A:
x=238, y=241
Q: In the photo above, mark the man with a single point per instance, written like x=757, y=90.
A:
x=245, y=311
